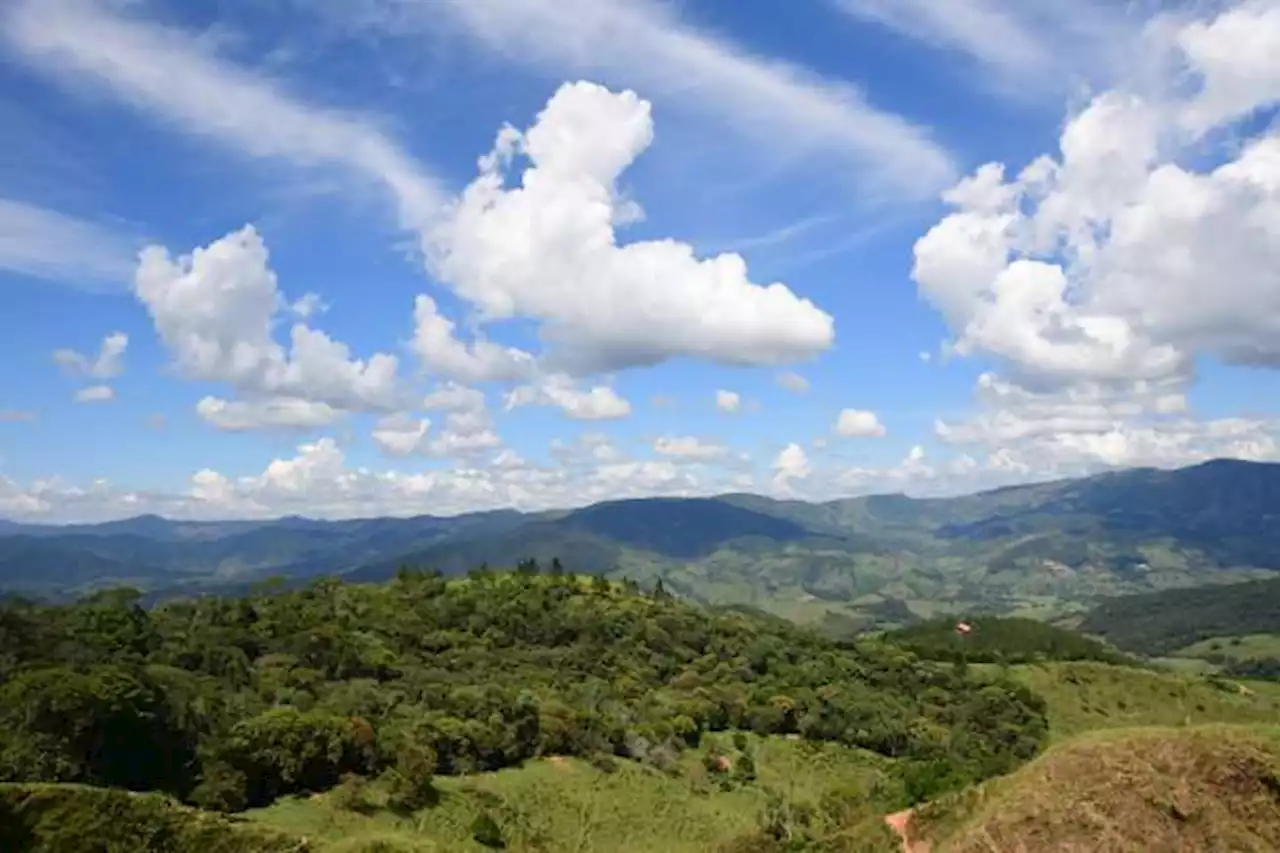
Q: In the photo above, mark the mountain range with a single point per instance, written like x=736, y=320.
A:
x=1043, y=549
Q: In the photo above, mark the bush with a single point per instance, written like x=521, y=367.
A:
x=485, y=830
x=412, y=780
x=352, y=795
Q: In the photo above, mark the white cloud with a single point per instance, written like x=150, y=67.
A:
x=308, y=305
x=643, y=43
x=16, y=416
x=588, y=449
x=790, y=465
x=400, y=435
x=1025, y=45
x=176, y=77
x=1090, y=426
x=214, y=310
x=468, y=426
x=728, y=402
x=1235, y=54
x=793, y=382
x=107, y=364
x=599, y=402
x=96, y=394
x=452, y=397
x=687, y=447
x=275, y=412
x=857, y=423
x=1116, y=261
x=443, y=354
x=546, y=248
x=48, y=245
x=317, y=480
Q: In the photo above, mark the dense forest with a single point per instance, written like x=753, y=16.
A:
x=232, y=703
x=1159, y=623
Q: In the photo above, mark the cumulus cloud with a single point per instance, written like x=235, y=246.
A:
x=308, y=305
x=107, y=364
x=95, y=394
x=547, y=248
x=400, y=435
x=728, y=402
x=1091, y=426
x=600, y=402
x=215, y=309
x=275, y=412
x=1116, y=260
x=688, y=447
x=858, y=423
x=791, y=464
x=443, y=354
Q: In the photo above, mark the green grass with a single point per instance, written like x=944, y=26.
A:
x=1185, y=665
x=1086, y=696
x=1248, y=647
x=556, y=805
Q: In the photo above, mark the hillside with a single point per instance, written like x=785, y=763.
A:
x=543, y=712
x=1161, y=623
x=1000, y=640
x=209, y=699
x=1175, y=790
x=1039, y=550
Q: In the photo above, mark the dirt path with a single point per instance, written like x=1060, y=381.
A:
x=900, y=822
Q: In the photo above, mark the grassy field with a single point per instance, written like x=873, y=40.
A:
x=1085, y=696
x=569, y=805
x=1181, y=790
x=1248, y=647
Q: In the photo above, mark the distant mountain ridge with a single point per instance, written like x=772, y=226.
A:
x=1050, y=547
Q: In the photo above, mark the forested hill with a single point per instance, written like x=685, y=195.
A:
x=231, y=703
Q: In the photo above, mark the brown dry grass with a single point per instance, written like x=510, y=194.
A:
x=1200, y=790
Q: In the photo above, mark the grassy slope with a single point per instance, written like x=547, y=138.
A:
x=1084, y=697
x=1243, y=647
x=568, y=805
x=1192, y=789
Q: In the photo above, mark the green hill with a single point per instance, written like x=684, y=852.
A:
x=996, y=639
x=537, y=712
x=1163, y=622
x=236, y=702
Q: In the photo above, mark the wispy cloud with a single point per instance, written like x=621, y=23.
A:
x=16, y=416
x=1026, y=45
x=176, y=77
x=48, y=245
x=781, y=107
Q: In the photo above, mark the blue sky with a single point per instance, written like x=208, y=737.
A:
x=403, y=256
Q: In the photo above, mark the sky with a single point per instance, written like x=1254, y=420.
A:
x=350, y=258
